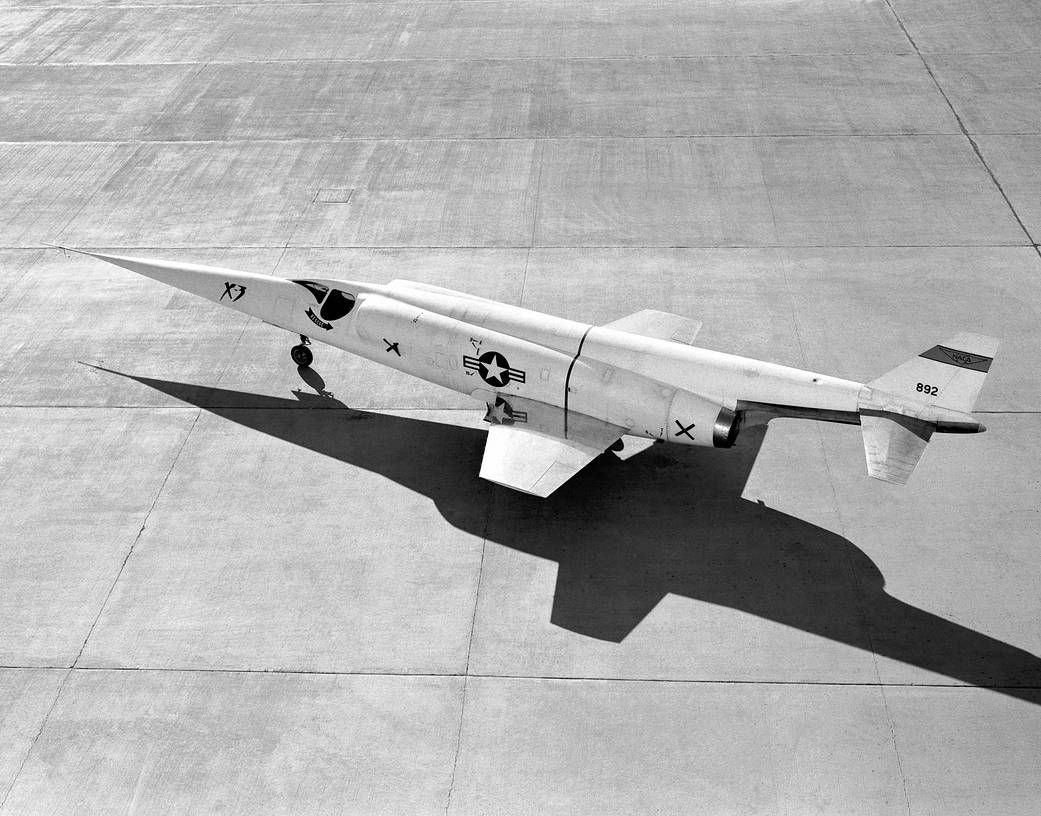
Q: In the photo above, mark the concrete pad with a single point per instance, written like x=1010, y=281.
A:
x=213, y=32
x=482, y=99
x=46, y=185
x=486, y=30
x=84, y=103
x=362, y=100
x=539, y=747
x=243, y=194
x=965, y=751
x=473, y=193
x=862, y=312
x=17, y=25
x=476, y=193
x=957, y=557
x=133, y=34
x=533, y=98
x=637, y=29
x=260, y=361
x=61, y=551
x=750, y=96
x=121, y=742
x=68, y=313
x=966, y=26
x=25, y=698
x=292, y=31
x=993, y=93
x=656, y=567
x=265, y=101
x=14, y=264
x=305, y=540
x=773, y=607
x=698, y=192
x=1016, y=162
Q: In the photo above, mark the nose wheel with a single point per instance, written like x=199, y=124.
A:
x=301, y=354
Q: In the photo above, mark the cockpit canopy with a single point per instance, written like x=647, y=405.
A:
x=335, y=303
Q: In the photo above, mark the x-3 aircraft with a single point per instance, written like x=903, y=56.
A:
x=559, y=393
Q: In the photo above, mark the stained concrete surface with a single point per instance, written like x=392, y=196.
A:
x=229, y=585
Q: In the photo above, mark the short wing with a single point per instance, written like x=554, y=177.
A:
x=533, y=451
x=659, y=325
x=530, y=462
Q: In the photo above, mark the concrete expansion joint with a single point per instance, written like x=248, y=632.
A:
x=137, y=538
x=533, y=678
x=39, y=732
x=964, y=130
x=376, y=61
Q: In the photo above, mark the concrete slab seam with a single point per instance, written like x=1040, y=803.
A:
x=469, y=648
x=535, y=209
x=968, y=687
x=965, y=132
x=137, y=538
x=507, y=247
x=36, y=736
x=863, y=616
x=870, y=638
x=600, y=137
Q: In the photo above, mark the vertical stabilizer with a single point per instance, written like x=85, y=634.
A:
x=949, y=375
x=900, y=411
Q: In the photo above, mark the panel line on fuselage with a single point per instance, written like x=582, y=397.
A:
x=567, y=379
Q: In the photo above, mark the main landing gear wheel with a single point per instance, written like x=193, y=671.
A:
x=301, y=355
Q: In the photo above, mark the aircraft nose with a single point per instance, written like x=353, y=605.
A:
x=982, y=428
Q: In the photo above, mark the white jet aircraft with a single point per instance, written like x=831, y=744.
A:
x=560, y=393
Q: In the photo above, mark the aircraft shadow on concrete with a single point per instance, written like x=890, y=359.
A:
x=625, y=534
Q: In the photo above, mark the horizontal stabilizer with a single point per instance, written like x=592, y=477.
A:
x=659, y=325
x=893, y=445
x=949, y=375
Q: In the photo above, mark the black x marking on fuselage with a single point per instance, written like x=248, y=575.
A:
x=391, y=347
x=683, y=430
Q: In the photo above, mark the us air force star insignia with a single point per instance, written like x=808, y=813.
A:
x=502, y=413
x=499, y=413
x=494, y=369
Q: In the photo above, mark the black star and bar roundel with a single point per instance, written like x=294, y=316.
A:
x=493, y=368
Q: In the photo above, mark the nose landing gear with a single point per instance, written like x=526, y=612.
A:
x=301, y=354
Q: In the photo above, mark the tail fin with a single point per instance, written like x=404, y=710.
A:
x=938, y=387
x=949, y=375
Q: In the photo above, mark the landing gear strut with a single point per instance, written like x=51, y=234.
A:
x=301, y=354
